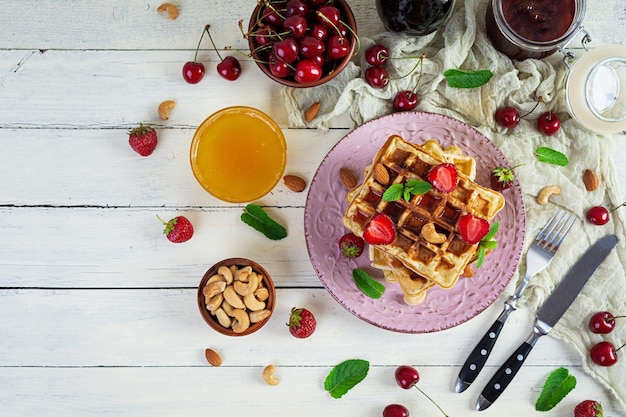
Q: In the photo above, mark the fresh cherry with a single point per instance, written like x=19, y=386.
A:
x=395, y=410
x=296, y=24
x=377, y=77
x=598, y=215
x=338, y=46
x=408, y=377
x=328, y=16
x=508, y=117
x=604, y=353
x=319, y=31
x=193, y=71
x=279, y=68
x=286, y=50
x=297, y=8
x=377, y=55
x=603, y=322
x=271, y=17
x=307, y=71
x=548, y=123
x=310, y=46
x=405, y=101
x=229, y=68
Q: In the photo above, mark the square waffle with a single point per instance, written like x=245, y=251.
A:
x=428, y=263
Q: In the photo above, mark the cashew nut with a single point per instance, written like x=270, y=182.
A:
x=172, y=10
x=215, y=302
x=214, y=278
x=241, y=320
x=223, y=318
x=546, y=192
x=228, y=309
x=164, y=109
x=247, y=288
x=268, y=375
x=261, y=293
x=233, y=299
x=226, y=273
x=213, y=289
x=257, y=316
x=252, y=303
x=242, y=274
x=431, y=235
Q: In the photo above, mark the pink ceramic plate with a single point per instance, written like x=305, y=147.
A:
x=326, y=204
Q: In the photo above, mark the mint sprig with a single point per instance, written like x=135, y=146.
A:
x=487, y=242
x=558, y=384
x=343, y=377
x=367, y=284
x=406, y=190
x=467, y=79
x=255, y=217
x=551, y=156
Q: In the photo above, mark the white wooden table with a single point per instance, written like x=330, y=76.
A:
x=98, y=310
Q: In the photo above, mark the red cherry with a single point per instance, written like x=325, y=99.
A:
x=407, y=376
x=377, y=55
x=296, y=24
x=405, y=101
x=279, y=68
x=297, y=8
x=598, y=215
x=602, y=322
x=328, y=16
x=307, y=71
x=603, y=354
x=264, y=35
x=395, y=410
x=229, y=68
x=286, y=50
x=310, y=46
x=269, y=16
x=338, y=46
x=319, y=31
x=508, y=117
x=193, y=72
x=548, y=123
x=377, y=77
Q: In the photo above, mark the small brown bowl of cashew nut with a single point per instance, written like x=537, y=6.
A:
x=236, y=297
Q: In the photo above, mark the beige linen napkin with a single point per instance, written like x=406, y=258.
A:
x=463, y=44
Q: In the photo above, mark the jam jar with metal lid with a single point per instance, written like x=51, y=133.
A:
x=414, y=17
x=524, y=29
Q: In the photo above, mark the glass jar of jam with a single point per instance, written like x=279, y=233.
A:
x=524, y=29
x=414, y=17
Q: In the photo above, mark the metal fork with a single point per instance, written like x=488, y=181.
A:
x=538, y=257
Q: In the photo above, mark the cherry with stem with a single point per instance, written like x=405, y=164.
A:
x=193, y=71
x=600, y=215
x=604, y=353
x=407, y=100
x=229, y=68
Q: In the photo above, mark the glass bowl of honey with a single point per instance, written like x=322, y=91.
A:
x=238, y=154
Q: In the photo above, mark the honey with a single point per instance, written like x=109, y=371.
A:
x=238, y=154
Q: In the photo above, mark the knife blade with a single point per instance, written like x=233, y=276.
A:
x=547, y=316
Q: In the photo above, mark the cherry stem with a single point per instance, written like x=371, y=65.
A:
x=358, y=40
x=431, y=400
x=620, y=347
x=268, y=4
x=419, y=62
x=547, y=107
x=533, y=109
x=213, y=43
x=206, y=29
x=621, y=205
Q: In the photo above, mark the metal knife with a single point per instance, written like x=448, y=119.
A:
x=549, y=314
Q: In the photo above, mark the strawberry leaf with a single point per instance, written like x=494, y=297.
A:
x=255, y=217
x=367, y=284
x=467, y=79
x=345, y=376
x=558, y=384
x=551, y=156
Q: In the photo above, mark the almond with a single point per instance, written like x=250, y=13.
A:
x=213, y=357
x=381, y=175
x=347, y=178
x=590, y=179
x=294, y=183
x=311, y=112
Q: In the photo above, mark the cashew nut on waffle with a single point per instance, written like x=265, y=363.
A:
x=428, y=249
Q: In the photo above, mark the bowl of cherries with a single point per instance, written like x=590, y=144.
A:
x=302, y=43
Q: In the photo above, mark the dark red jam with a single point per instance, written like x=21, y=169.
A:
x=530, y=22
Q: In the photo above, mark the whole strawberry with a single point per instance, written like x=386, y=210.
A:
x=178, y=230
x=502, y=178
x=588, y=408
x=351, y=245
x=143, y=139
x=301, y=323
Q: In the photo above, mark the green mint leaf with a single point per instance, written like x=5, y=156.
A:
x=558, y=384
x=345, y=376
x=551, y=156
x=481, y=256
x=367, y=284
x=493, y=229
x=255, y=217
x=418, y=186
x=489, y=244
x=394, y=192
x=467, y=79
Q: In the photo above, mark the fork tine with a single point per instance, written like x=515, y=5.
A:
x=548, y=228
x=557, y=227
x=571, y=220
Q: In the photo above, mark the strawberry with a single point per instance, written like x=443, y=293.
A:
x=351, y=245
x=502, y=178
x=472, y=228
x=301, y=323
x=143, y=139
x=380, y=230
x=588, y=408
x=443, y=177
x=178, y=230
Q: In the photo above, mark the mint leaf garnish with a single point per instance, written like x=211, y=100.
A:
x=551, y=156
x=367, y=284
x=406, y=190
x=467, y=79
x=255, y=217
x=345, y=376
x=558, y=384
x=487, y=242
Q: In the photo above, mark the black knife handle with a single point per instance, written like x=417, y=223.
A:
x=477, y=359
x=504, y=375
